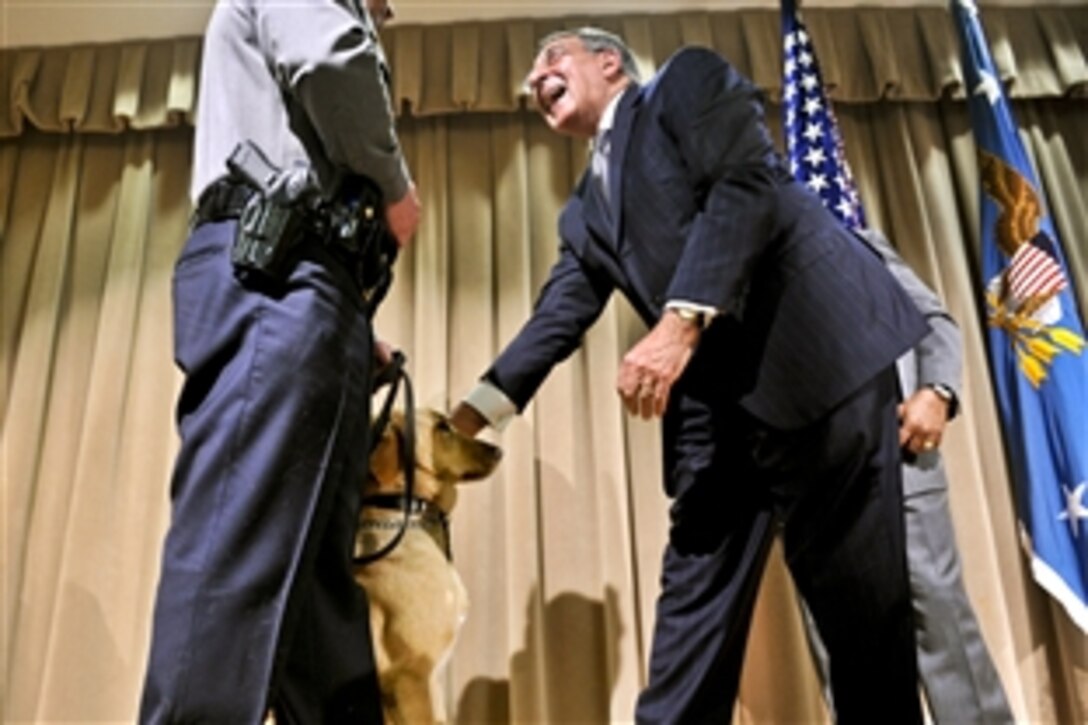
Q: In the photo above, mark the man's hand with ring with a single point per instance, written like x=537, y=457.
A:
x=922, y=418
x=649, y=369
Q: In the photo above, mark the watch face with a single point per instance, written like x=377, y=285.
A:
x=942, y=390
x=695, y=317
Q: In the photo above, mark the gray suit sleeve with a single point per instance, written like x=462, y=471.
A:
x=938, y=355
x=327, y=57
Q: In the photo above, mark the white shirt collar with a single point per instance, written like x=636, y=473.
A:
x=609, y=115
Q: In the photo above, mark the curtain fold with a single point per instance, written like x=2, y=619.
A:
x=560, y=549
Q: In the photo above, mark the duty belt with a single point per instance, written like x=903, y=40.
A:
x=226, y=198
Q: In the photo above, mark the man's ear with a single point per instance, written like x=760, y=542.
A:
x=611, y=63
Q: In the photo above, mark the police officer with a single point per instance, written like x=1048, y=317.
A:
x=256, y=607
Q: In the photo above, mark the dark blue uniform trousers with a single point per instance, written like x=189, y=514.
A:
x=256, y=602
x=834, y=489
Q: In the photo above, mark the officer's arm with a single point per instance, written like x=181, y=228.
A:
x=328, y=59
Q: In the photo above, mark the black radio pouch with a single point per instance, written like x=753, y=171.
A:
x=362, y=230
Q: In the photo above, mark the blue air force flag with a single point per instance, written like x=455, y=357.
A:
x=813, y=142
x=1036, y=341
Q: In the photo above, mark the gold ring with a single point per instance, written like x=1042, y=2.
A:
x=929, y=445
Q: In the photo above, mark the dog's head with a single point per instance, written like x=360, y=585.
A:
x=444, y=458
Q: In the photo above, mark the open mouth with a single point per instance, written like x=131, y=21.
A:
x=551, y=91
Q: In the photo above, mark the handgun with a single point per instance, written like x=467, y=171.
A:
x=266, y=227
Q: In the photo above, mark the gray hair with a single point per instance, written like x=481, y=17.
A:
x=595, y=40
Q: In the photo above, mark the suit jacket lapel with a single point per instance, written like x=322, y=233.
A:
x=621, y=134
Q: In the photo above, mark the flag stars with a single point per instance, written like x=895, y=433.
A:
x=817, y=182
x=815, y=153
x=989, y=87
x=815, y=157
x=813, y=132
x=1074, y=506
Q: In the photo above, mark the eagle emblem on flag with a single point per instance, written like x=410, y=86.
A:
x=1022, y=299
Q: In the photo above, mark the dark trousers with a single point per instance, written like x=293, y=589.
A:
x=834, y=488
x=256, y=603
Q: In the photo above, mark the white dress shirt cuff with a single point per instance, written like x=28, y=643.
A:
x=492, y=404
x=707, y=310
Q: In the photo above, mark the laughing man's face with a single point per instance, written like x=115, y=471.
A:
x=570, y=85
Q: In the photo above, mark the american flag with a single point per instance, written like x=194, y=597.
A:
x=813, y=142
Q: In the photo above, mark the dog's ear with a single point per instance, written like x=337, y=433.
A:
x=457, y=456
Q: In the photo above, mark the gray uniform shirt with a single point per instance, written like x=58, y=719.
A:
x=307, y=82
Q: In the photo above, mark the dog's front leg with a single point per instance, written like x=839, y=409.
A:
x=411, y=694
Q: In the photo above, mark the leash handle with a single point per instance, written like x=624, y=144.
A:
x=394, y=374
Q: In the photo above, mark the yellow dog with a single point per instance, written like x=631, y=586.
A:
x=417, y=599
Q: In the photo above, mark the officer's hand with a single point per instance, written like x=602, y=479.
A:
x=383, y=358
x=383, y=352
x=402, y=216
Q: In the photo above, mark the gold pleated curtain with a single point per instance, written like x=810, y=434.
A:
x=560, y=549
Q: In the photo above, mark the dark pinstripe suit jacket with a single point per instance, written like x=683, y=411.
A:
x=705, y=211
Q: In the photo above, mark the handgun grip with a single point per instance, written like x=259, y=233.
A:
x=248, y=162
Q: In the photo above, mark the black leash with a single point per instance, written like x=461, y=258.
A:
x=393, y=374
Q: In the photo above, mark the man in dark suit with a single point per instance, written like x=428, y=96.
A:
x=771, y=351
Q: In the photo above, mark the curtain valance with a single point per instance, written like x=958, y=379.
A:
x=867, y=54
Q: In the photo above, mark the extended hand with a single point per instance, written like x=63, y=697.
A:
x=467, y=420
x=922, y=418
x=649, y=369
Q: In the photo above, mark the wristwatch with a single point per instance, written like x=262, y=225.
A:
x=948, y=395
x=691, y=315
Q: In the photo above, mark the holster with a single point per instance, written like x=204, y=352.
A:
x=351, y=224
